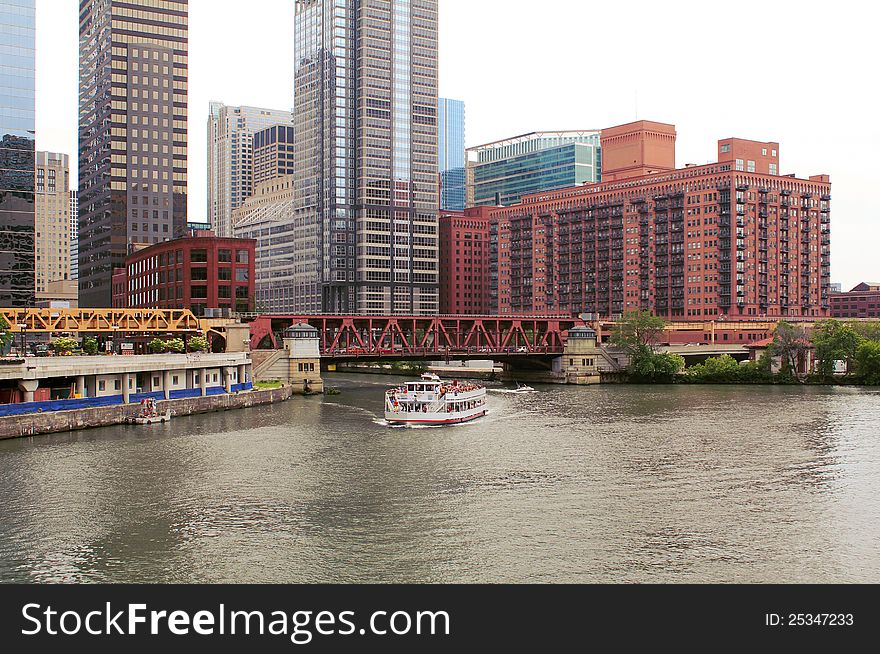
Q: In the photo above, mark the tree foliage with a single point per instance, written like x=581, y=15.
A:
x=867, y=360
x=650, y=368
x=157, y=346
x=870, y=331
x=789, y=343
x=90, y=345
x=198, y=344
x=638, y=332
x=835, y=341
x=175, y=346
x=64, y=345
x=727, y=370
x=5, y=335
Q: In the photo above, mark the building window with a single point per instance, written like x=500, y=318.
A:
x=740, y=165
x=198, y=256
x=725, y=148
x=242, y=256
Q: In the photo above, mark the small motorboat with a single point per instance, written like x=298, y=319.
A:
x=149, y=414
x=523, y=388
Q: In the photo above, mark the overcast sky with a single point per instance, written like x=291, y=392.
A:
x=800, y=73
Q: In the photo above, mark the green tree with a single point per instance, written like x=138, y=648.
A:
x=638, y=332
x=90, y=345
x=868, y=330
x=198, y=344
x=868, y=362
x=5, y=335
x=175, y=346
x=158, y=346
x=64, y=345
x=789, y=343
x=651, y=368
x=835, y=341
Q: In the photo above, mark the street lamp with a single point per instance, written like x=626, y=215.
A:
x=23, y=329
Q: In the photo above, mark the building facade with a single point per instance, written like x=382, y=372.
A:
x=17, y=153
x=273, y=153
x=464, y=262
x=268, y=219
x=53, y=238
x=501, y=173
x=452, y=158
x=74, y=237
x=132, y=133
x=861, y=302
x=365, y=117
x=231, y=158
x=696, y=243
x=198, y=273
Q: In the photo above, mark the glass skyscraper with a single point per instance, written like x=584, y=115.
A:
x=17, y=153
x=365, y=118
x=133, y=59
x=450, y=121
x=502, y=172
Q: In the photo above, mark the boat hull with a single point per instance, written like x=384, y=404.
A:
x=395, y=419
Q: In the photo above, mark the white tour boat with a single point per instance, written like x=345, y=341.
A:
x=431, y=401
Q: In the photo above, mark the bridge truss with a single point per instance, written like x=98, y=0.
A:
x=347, y=336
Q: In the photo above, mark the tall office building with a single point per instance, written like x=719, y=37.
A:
x=74, y=235
x=17, y=127
x=501, y=173
x=450, y=122
x=52, y=220
x=365, y=117
x=132, y=133
x=273, y=154
x=231, y=158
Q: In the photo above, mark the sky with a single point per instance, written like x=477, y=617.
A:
x=802, y=74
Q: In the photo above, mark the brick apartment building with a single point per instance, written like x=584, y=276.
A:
x=198, y=273
x=731, y=239
x=464, y=262
x=861, y=302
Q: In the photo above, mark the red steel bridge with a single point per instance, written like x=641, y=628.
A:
x=355, y=337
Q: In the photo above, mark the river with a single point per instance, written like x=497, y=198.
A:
x=570, y=484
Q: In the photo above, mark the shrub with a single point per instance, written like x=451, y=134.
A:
x=5, y=336
x=868, y=362
x=648, y=368
x=198, y=344
x=90, y=345
x=175, y=346
x=64, y=345
x=158, y=346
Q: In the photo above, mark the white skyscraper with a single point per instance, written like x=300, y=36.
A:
x=230, y=158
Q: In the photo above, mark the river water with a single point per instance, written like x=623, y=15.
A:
x=600, y=484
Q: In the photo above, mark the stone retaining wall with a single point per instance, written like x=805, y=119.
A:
x=64, y=421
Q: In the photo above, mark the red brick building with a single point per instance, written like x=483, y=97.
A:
x=725, y=240
x=464, y=262
x=197, y=273
x=861, y=302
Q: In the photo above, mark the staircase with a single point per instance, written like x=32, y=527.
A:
x=273, y=366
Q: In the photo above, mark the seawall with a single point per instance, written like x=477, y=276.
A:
x=63, y=421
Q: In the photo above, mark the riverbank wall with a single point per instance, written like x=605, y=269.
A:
x=107, y=416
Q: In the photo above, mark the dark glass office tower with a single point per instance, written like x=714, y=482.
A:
x=365, y=119
x=450, y=117
x=133, y=57
x=17, y=152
